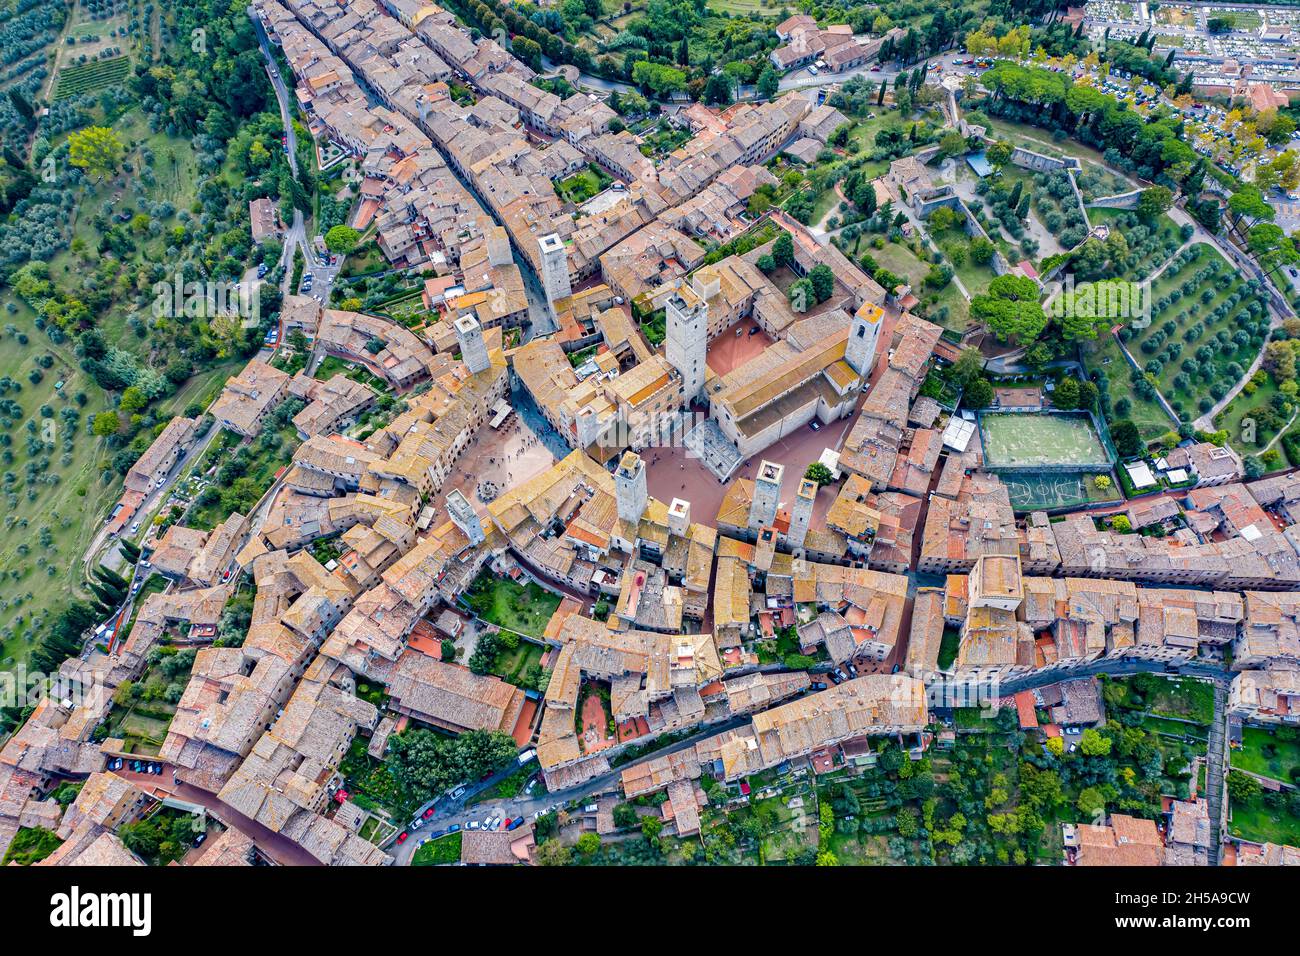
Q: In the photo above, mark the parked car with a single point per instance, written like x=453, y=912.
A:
x=454, y=828
x=517, y=822
x=427, y=813
x=836, y=678
x=198, y=840
x=815, y=425
x=473, y=825
x=401, y=837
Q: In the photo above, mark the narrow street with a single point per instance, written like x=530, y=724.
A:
x=1216, y=775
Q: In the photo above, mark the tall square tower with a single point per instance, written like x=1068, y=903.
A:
x=801, y=513
x=686, y=344
x=555, y=268
x=860, y=350
x=767, y=494
x=679, y=517
x=630, y=487
x=464, y=516
x=473, y=350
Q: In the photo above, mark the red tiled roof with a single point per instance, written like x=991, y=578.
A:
x=1025, y=710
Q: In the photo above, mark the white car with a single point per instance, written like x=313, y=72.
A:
x=473, y=825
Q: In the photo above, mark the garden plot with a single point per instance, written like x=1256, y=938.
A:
x=1150, y=245
x=1207, y=326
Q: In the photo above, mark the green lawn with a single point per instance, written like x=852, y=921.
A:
x=332, y=365
x=1103, y=355
x=518, y=607
x=31, y=845
x=261, y=458
x=898, y=259
x=443, y=850
x=1264, y=753
x=948, y=647
x=68, y=485
x=583, y=184
x=1192, y=344
x=1187, y=698
x=373, y=786
x=1254, y=820
x=201, y=389
x=512, y=665
x=1150, y=246
x=62, y=490
x=1181, y=697
x=946, y=307
x=1242, y=409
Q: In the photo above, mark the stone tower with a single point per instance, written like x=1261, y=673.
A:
x=473, y=351
x=687, y=339
x=765, y=549
x=767, y=494
x=463, y=516
x=679, y=517
x=555, y=269
x=801, y=513
x=630, y=487
x=497, y=241
x=860, y=350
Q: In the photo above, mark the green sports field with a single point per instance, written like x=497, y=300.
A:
x=1023, y=440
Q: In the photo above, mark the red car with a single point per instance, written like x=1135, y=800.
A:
x=428, y=813
x=402, y=838
x=505, y=824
